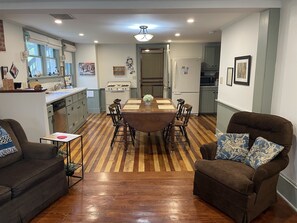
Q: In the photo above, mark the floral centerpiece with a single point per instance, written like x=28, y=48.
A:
x=147, y=98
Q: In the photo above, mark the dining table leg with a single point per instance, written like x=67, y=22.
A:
x=172, y=136
x=125, y=135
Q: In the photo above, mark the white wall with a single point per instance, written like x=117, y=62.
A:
x=110, y=55
x=239, y=39
x=284, y=90
x=86, y=53
x=14, y=42
x=186, y=50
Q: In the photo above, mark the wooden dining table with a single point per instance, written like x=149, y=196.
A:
x=148, y=118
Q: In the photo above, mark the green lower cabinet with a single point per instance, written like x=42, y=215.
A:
x=77, y=112
x=208, y=96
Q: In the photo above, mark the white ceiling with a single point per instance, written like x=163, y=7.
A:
x=112, y=22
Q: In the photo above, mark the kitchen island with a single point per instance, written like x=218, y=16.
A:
x=33, y=109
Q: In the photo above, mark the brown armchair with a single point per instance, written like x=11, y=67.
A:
x=235, y=188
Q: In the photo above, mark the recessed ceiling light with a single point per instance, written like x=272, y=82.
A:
x=190, y=20
x=96, y=41
x=177, y=34
x=81, y=34
x=147, y=50
x=169, y=41
x=211, y=32
x=58, y=21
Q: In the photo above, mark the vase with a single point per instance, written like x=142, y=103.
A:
x=147, y=102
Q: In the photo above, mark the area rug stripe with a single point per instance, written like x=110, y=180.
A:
x=149, y=153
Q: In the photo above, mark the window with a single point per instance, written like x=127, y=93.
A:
x=51, y=61
x=34, y=59
x=42, y=60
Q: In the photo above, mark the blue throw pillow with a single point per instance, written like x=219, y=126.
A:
x=262, y=152
x=6, y=145
x=232, y=146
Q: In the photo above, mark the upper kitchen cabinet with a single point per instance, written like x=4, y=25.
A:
x=211, y=57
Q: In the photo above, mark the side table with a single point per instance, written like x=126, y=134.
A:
x=70, y=167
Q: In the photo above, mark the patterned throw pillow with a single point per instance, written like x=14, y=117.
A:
x=232, y=146
x=6, y=145
x=262, y=152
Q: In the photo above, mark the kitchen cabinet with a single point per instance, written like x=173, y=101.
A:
x=208, y=96
x=211, y=57
x=76, y=110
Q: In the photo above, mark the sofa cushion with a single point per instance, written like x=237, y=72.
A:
x=232, y=146
x=5, y=194
x=6, y=145
x=27, y=173
x=232, y=174
x=5, y=161
x=262, y=151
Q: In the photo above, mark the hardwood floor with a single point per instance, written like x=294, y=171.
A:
x=151, y=184
x=149, y=152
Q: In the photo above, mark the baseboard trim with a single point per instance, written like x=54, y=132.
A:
x=94, y=110
x=287, y=190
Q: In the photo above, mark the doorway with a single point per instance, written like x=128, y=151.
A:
x=152, y=70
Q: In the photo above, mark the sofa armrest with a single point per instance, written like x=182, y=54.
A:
x=209, y=150
x=268, y=170
x=32, y=150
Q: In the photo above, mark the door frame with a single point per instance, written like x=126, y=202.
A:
x=140, y=47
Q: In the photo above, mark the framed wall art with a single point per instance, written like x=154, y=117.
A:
x=86, y=68
x=4, y=71
x=229, y=77
x=118, y=70
x=242, y=70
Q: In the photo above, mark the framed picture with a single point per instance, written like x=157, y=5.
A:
x=4, y=71
x=118, y=70
x=14, y=71
x=242, y=70
x=86, y=68
x=229, y=77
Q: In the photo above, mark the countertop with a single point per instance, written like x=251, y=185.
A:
x=52, y=96
x=208, y=87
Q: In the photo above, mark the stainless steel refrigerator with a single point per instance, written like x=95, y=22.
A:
x=186, y=81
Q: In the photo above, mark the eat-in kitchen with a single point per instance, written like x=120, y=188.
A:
x=86, y=78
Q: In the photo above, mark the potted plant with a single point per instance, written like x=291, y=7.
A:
x=147, y=99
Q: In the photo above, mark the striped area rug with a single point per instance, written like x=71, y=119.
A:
x=148, y=153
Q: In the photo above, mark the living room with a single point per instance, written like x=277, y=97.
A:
x=271, y=86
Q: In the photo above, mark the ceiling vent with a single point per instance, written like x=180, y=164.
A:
x=62, y=16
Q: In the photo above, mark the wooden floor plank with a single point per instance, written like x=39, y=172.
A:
x=146, y=183
x=163, y=197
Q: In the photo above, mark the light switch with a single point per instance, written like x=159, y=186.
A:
x=221, y=80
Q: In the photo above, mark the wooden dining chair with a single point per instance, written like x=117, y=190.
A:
x=180, y=103
x=119, y=125
x=117, y=101
x=181, y=124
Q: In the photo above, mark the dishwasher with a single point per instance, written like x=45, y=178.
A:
x=60, y=116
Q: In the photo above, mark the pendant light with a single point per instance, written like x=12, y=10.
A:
x=143, y=35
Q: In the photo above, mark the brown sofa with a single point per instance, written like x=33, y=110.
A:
x=30, y=179
x=235, y=188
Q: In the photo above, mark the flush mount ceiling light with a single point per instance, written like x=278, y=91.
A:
x=143, y=35
x=58, y=21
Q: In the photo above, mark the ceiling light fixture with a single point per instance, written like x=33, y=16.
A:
x=58, y=21
x=169, y=41
x=190, y=20
x=81, y=34
x=96, y=41
x=143, y=35
x=177, y=34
